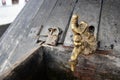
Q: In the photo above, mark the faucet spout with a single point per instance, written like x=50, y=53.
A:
x=84, y=41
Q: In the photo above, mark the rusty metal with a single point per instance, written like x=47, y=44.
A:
x=83, y=39
x=53, y=35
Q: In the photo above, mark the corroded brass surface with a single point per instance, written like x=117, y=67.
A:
x=84, y=40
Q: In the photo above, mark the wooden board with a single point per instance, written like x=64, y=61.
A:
x=16, y=34
x=109, y=32
x=87, y=10
x=29, y=38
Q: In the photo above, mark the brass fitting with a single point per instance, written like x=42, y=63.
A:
x=84, y=41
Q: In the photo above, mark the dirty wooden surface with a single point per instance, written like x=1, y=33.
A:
x=20, y=37
x=31, y=32
x=15, y=41
x=103, y=65
x=109, y=32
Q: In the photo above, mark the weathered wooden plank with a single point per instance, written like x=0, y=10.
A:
x=87, y=10
x=10, y=41
x=29, y=38
x=59, y=17
x=109, y=32
x=18, y=40
x=14, y=33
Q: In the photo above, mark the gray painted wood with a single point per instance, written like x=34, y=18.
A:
x=14, y=34
x=17, y=39
x=59, y=17
x=29, y=38
x=87, y=10
x=109, y=32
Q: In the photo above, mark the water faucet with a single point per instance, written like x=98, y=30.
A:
x=83, y=39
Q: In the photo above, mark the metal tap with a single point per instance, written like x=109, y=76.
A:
x=83, y=39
